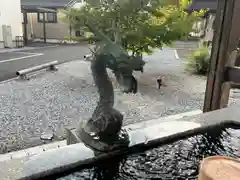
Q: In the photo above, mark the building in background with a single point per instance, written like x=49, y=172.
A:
x=204, y=28
x=55, y=27
x=10, y=23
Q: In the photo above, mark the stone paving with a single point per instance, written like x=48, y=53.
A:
x=54, y=101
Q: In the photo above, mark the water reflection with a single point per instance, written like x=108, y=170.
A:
x=179, y=160
x=107, y=170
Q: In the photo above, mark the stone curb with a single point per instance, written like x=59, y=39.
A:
x=38, y=72
x=25, y=49
x=32, y=151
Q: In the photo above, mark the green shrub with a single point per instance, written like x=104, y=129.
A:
x=198, y=62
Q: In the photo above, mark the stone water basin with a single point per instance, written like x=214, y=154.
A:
x=176, y=161
x=169, y=148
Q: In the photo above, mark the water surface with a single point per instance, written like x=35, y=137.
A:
x=176, y=161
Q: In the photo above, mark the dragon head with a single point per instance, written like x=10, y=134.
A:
x=118, y=56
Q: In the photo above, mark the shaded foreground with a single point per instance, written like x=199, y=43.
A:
x=179, y=160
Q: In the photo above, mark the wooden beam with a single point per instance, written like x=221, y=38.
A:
x=44, y=10
x=227, y=84
x=233, y=74
x=44, y=28
x=235, y=86
x=220, y=54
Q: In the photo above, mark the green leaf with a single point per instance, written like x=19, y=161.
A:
x=140, y=26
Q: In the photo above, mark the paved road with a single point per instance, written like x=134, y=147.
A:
x=10, y=62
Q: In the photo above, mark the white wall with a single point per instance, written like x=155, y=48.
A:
x=10, y=14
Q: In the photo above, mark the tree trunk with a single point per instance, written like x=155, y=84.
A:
x=116, y=31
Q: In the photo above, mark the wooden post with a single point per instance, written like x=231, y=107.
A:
x=235, y=32
x=25, y=36
x=220, y=55
x=44, y=28
x=70, y=31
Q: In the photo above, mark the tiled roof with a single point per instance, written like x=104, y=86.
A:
x=203, y=4
x=45, y=3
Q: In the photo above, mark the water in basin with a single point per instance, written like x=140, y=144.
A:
x=176, y=161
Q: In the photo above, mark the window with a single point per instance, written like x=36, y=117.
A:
x=50, y=17
x=77, y=33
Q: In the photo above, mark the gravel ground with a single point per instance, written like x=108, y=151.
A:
x=54, y=101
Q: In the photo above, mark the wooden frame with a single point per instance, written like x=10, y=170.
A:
x=222, y=72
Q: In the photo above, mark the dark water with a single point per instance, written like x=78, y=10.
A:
x=177, y=161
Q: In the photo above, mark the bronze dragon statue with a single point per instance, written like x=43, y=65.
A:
x=103, y=131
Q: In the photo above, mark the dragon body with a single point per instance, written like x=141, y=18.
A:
x=103, y=131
